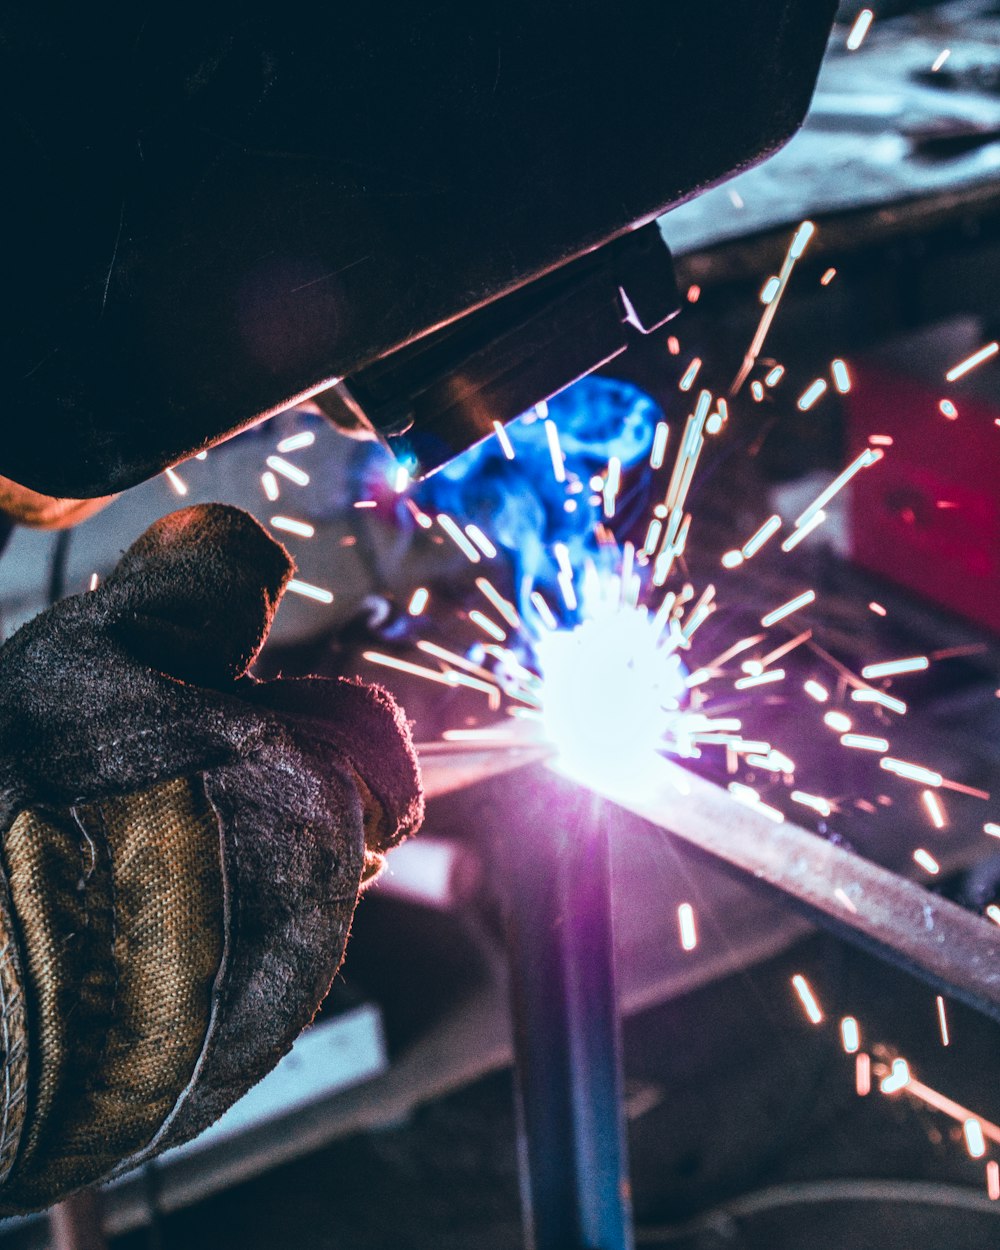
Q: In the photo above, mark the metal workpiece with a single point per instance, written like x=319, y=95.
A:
x=955, y=951
x=898, y=920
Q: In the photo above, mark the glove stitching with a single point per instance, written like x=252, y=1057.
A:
x=97, y=814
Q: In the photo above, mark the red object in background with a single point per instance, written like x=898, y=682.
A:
x=928, y=516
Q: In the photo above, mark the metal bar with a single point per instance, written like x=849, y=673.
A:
x=449, y=766
x=567, y=1045
x=955, y=951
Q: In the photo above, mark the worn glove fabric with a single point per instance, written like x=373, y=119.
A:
x=181, y=851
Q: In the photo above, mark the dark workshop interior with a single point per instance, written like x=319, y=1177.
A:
x=625, y=388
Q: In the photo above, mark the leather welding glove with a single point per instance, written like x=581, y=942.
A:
x=181, y=850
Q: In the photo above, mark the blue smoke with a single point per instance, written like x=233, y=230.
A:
x=519, y=503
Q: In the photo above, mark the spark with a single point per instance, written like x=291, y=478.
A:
x=177, y=482
x=828, y=277
x=366, y=503
x=867, y=458
x=912, y=772
x=807, y=998
x=898, y=1078
x=690, y=373
x=801, y=239
x=693, y=293
x=863, y=1075
x=795, y=249
x=687, y=459
x=837, y=721
x=685, y=922
x=488, y=626
x=652, y=536
x=757, y=540
x=859, y=30
x=942, y=1021
x=489, y=685
x=975, y=1143
x=761, y=679
x=803, y=531
x=285, y=467
x=295, y=442
x=811, y=394
x=543, y=610
x=992, y=829
x=481, y=541
x=308, y=591
x=457, y=536
x=660, y=437
x=786, y=647
x=400, y=479
x=735, y=198
x=418, y=601
x=503, y=438
x=850, y=1034
x=302, y=528
x=876, y=608
x=612, y=483
x=757, y=390
x=673, y=345
x=891, y=668
x=786, y=609
x=864, y=742
x=881, y=698
x=415, y=670
x=770, y=289
x=421, y=518
x=815, y=691
x=732, y=559
x=270, y=484
x=841, y=377
x=970, y=362
x=926, y=861
x=993, y=912
x=940, y=59
x=934, y=809
x=775, y=376
x=947, y=409
x=993, y=1180
x=502, y=605
x=843, y=897
x=820, y=805
x=880, y=440
x=555, y=451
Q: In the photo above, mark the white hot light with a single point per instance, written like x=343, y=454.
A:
x=612, y=692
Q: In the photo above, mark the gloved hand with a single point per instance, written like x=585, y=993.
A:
x=181, y=850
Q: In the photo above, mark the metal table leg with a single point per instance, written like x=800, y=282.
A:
x=567, y=1042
